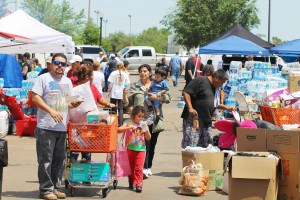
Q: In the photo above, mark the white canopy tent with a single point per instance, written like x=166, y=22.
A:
x=46, y=39
x=7, y=39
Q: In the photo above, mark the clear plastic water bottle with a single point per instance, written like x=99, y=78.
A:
x=126, y=85
x=1, y=83
x=144, y=126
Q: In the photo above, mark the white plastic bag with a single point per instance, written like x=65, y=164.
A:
x=78, y=115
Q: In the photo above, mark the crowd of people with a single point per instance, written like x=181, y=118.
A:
x=143, y=100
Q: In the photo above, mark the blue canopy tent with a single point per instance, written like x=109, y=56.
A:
x=234, y=45
x=290, y=47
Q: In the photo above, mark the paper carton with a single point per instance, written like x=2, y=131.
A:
x=287, y=146
x=212, y=162
x=294, y=82
x=253, y=177
x=88, y=172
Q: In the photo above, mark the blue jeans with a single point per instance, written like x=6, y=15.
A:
x=175, y=75
x=51, y=157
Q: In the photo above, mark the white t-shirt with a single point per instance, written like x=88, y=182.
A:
x=53, y=92
x=118, y=79
x=98, y=80
x=103, y=65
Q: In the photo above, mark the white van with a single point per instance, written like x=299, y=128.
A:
x=138, y=55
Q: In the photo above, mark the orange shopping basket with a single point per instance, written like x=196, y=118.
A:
x=94, y=138
x=280, y=116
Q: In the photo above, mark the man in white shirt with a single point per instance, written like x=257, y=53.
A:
x=100, y=57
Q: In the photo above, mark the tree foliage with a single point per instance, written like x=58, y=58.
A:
x=197, y=22
x=91, y=33
x=276, y=40
x=118, y=41
x=158, y=38
x=60, y=17
x=3, y=7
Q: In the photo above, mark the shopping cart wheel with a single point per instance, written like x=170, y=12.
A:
x=72, y=190
x=115, y=184
x=104, y=192
x=66, y=184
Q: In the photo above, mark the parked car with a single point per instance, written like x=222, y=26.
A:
x=90, y=52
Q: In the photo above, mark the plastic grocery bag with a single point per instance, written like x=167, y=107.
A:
x=78, y=115
x=193, y=181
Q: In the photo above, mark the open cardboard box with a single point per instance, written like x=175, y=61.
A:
x=213, y=164
x=253, y=175
x=287, y=146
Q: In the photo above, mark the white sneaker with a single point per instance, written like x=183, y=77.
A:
x=145, y=174
x=149, y=172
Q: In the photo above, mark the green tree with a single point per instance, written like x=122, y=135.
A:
x=3, y=7
x=119, y=40
x=197, y=22
x=158, y=38
x=90, y=33
x=60, y=17
x=276, y=41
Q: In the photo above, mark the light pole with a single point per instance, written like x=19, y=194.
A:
x=89, y=10
x=129, y=29
x=101, y=18
x=97, y=12
x=269, y=21
x=105, y=21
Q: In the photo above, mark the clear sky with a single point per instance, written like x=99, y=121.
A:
x=148, y=13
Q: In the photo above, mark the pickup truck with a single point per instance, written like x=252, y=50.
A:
x=138, y=55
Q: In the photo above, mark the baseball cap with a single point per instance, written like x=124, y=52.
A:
x=75, y=58
x=112, y=55
x=49, y=60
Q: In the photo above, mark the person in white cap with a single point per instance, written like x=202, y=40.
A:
x=75, y=61
x=49, y=66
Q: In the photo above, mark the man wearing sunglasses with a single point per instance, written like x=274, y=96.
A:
x=49, y=94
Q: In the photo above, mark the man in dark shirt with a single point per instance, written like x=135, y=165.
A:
x=26, y=66
x=200, y=97
x=189, y=70
x=163, y=64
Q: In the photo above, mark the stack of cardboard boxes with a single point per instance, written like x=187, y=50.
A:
x=272, y=172
x=286, y=144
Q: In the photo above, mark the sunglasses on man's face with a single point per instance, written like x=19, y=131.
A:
x=63, y=64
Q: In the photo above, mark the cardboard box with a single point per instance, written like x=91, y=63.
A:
x=294, y=83
x=253, y=177
x=251, y=139
x=225, y=183
x=88, y=172
x=287, y=146
x=213, y=164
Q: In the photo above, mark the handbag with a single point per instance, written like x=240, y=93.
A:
x=159, y=126
x=3, y=153
x=123, y=165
